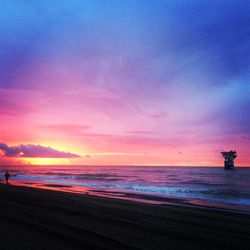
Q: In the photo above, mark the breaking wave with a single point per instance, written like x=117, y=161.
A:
x=211, y=184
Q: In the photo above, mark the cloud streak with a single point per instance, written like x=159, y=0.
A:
x=34, y=151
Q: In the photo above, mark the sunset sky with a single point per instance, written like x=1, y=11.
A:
x=124, y=82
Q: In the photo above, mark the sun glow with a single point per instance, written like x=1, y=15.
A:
x=46, y=161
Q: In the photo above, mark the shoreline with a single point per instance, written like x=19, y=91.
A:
x=137, y=196
x=32, y=217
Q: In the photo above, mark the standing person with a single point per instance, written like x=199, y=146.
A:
x=7, y=176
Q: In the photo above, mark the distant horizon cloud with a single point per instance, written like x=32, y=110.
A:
x=34, y=151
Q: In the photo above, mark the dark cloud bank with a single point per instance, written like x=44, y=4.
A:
x=33, y=150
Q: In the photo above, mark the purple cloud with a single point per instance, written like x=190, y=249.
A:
x=159, y=115
x=33, y=151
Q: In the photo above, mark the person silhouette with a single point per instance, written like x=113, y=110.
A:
x=7, y=176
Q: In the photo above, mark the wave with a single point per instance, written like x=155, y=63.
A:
x=230, y=188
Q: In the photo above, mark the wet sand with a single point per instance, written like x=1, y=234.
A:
x=43, y=219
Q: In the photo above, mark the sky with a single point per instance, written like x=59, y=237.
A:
x=124, y=82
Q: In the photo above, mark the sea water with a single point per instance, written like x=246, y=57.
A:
x=210, y=184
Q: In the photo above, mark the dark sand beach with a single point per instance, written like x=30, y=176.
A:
x=44, y=219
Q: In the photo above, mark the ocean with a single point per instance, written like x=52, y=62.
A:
x=212, y=186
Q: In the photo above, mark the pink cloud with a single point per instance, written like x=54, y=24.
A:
x=66, y=128
x=12, y=105
x=141, y=132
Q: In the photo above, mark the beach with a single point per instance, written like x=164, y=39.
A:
x=44, y=219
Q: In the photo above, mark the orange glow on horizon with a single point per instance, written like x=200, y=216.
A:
x=46, y=161
x=109, y=162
